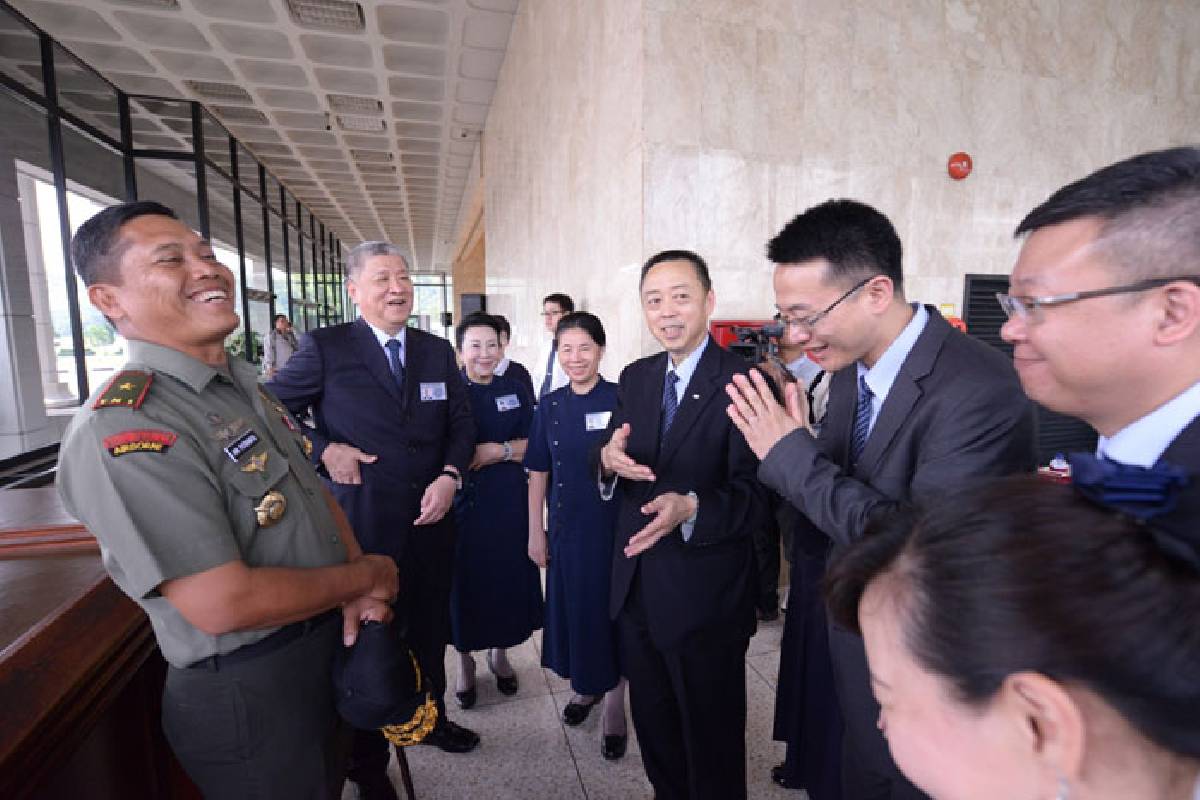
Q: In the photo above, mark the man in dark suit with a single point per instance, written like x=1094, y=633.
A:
x=915, y=407
x=683, y=569
x=1104, y=306
x=393, y=435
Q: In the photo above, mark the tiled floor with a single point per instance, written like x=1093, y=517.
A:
x=528, y=754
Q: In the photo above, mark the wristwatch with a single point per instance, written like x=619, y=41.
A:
x=508, y=451
x=457, y=478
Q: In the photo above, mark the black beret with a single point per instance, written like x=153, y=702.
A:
x=379, y=685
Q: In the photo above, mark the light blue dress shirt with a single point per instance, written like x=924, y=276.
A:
x=881, y=376
x=1143, y=442
x=383, y=338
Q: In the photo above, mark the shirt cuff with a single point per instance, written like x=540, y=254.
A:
x=689, y=525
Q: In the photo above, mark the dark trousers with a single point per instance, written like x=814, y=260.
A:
x=261, y=728
x=423, y=618
x=689, y=710
x=868, y=772
x=767, y=559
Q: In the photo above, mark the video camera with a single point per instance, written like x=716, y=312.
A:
x=757, y=344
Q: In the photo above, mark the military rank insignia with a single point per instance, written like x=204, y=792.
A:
x=127, y=389
x=140, y=441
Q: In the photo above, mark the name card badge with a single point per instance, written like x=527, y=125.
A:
x=433, y=391
x=241, y=445
x=597, y=420
x=508, y=402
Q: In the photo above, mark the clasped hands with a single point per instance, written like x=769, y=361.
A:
x=760, y=417
x=669, y=509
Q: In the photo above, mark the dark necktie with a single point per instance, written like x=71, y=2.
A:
x=393, y=348
x=862, y=419
x=670, y=403
x=548, y=381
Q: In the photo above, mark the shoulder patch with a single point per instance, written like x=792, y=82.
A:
x=127, y=389
x=139, y=441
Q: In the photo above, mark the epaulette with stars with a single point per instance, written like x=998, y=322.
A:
x=127, y=389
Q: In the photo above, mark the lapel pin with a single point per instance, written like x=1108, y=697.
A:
x=257, y=463
x=695, y=397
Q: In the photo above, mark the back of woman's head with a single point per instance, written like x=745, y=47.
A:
x=1023, y=575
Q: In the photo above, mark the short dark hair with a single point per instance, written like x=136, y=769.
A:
x=1021, y=574
x=584, y=321
x=856, y=240
x=679, y=255
x=1149, y=206
x=95, y=251
x=561, y=300
x=502, y=321
x=476, y=319
x=277, y=317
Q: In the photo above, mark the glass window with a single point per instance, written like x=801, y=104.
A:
x=248, y=171
x=85, y=94
x=160, y=124
x=172, y=183
x=20, y=51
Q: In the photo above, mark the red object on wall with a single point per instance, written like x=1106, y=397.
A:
x=959, y=166
x=722, y=329
x=957, y=322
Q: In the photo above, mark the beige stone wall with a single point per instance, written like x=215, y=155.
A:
x=620, y=128
x=563, y=170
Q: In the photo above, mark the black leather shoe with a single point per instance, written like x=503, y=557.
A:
x=767, y=614
x=779, y=776
x=613, y=747
x=452, y=738
x=575, y=713
x=467, y=698
x=376, y=788
x=508, y=685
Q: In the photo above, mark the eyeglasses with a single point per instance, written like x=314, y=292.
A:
x=809, y=323
x=554, y=313
x=1029, y=308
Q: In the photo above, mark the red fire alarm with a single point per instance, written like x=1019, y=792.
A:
x=959, y=166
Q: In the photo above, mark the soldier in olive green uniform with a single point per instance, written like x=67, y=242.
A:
x=195, y=481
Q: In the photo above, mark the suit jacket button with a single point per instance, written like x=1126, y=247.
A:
x=412, y=450
x=413, y=484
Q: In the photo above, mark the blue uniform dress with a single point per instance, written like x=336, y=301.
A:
x=579, y=642
x=496, y=595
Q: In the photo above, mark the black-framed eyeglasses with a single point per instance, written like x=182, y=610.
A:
x=1029, y=308
x=808, y=323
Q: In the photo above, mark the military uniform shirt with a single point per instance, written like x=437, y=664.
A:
x=170, y=486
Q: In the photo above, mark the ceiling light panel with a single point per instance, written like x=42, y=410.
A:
x=223, y=92
x=362, y=124
x=331, y=15
x=354, y=104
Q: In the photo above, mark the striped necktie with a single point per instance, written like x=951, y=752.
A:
x=393, y=348
x=670, y=403
x=862, y=419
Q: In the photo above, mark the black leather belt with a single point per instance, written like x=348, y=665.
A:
x=280, y=638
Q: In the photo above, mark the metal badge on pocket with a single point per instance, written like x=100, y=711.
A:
x=271, y=508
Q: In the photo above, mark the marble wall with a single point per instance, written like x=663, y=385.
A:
x=626, y=127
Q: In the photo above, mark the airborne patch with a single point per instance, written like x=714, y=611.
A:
x=127, y=389
x=139, y=441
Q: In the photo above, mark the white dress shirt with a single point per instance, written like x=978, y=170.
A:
x=1143, y=442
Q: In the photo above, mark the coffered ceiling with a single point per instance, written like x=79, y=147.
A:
x=370, y=112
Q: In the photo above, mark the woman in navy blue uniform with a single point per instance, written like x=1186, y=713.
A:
x=578, y=642
x=496, y=596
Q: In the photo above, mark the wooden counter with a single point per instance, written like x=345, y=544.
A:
x=80, y=674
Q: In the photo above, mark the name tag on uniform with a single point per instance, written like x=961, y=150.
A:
x=432, y=391
x=241, y=445
x=508, y=402
x=597, y=420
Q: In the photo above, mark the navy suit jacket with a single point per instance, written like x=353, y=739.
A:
x=701, y=590
x=342, y=374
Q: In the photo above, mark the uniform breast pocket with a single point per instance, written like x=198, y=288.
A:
x=258, y=502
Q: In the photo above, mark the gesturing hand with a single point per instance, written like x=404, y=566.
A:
x=614, y=459
x=760, y=418
x=385, y=577
x=670, y=510
x=341, y=462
